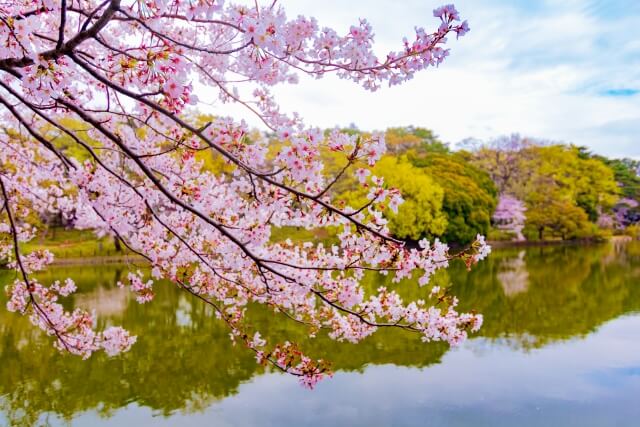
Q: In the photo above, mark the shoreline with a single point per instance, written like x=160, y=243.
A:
x=540, y=243
x=533, y=243
x=98, y=260
x=497, y=244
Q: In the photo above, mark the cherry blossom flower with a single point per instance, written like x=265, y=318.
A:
x=115, y=82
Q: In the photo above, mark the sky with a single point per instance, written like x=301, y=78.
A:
x=559, y=70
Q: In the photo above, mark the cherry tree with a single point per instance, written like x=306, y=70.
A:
x=116, y=78
x=510, y=215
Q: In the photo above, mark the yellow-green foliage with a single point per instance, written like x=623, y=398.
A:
x=564, y=187
x=73, y=244
x=421, y=214
x=469, y=194
x=565, y=192
x=557, y=218
x=66, y=143
x=562, y=170
x=633, y=231
x=401, y=139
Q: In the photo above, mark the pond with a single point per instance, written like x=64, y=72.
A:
x=560, y=346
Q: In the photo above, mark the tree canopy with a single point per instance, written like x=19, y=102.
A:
x=565, y=189
x=421, y=214
x=470, y=196
x=446, y=196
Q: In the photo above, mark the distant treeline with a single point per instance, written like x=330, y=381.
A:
x=512, y=188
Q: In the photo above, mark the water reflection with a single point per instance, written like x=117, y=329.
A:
x=531, y=361
x=514, y=276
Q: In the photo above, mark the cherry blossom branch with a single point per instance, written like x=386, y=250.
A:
x=225, y=153
x=23, y=271
x=69, y=46
x=63, y=20
x=124, y=80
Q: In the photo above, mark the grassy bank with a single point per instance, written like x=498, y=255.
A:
x=74, y=244
x=72, y=247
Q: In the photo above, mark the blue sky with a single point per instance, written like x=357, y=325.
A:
x=565, y=70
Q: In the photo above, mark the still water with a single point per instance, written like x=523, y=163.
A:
x=560, y=346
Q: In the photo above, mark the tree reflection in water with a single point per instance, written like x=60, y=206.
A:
x=185, y=361
x=514, y=276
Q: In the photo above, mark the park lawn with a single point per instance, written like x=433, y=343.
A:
x=69, y=243
x=300, y=234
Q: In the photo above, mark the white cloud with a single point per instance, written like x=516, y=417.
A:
x=537, y=68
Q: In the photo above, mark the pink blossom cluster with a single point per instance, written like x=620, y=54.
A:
x=143, y=290
x=73, y=331
x=510, y=215
x=113, y=81
x=34, y=261
x=289, y=358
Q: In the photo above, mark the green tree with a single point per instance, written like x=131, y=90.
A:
x=585, y=181
x=625, y=173
x=470, y=196
x=550, y=216
x=401, y=139
x=421, y=213
x=565, y=188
